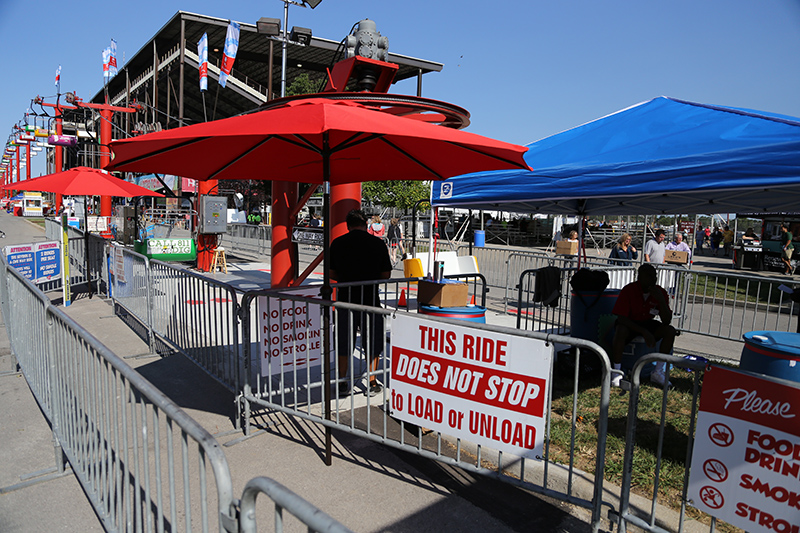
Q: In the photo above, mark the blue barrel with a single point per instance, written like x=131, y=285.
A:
x=586, y=308
x=480, y=238
x=470, y=313
x=774, y=353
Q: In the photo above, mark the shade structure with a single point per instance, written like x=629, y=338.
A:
x=294, y=142
x=83, y=181
x=662, y=156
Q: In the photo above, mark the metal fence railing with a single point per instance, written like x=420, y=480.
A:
x=667, y=437
x=191, y=313
x=247, y=240
x=290, y=379
x=80, y=270
x=143, y=463
x=284, y=499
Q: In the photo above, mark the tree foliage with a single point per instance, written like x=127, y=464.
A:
x=398, y=194
x=302, y=84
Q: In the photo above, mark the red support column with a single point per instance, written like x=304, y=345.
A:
x=105, y=158
x=28, y=161
x=205, y=243
x=283, y=261
x=344, y=197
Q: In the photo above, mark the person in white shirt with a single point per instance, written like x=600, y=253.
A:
x=655, y=248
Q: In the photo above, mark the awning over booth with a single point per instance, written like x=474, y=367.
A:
x=660, y=156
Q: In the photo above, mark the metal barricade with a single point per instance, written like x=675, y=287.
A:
x=142, y=462
x=533, y=315
x=247, y=240
x=198, y=316
x=662, y=435
x=290, y=379
x=129, y=282
x=729, y=305
x=284, y=498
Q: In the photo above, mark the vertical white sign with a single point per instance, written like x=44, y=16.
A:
x=290, y=333
x=482, y=386
x=746, y=456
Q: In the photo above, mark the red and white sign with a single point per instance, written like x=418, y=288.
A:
x=746, y=457
x=482, y=386
x=290, y=333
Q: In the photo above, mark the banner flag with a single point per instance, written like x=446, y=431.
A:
x=58, y=79
x=106, y=61
x=202, y=54
x=229, y=54
x=112, y=61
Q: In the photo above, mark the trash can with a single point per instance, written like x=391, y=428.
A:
x=470, y=313
x=480, y=238
x=774, y=353
x=586, y=308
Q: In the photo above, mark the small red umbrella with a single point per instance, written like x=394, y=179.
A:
x=83, y=181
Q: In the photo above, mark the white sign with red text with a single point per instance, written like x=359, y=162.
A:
x=746, y=456
x=291, y=333
x=482, y=386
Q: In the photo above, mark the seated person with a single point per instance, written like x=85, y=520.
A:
x=638, y=304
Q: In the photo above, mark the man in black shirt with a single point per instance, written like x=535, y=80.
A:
x=359, y=256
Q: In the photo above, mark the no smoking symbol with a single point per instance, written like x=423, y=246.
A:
x=715, y=470
x=720, y=434
x=712, y=497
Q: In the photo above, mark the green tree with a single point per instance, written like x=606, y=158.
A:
x=398, y=194
x=302, y=84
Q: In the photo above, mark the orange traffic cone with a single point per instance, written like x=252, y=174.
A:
x=472, y=301
x=402, y=301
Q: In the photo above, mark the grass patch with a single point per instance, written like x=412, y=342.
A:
x=727, y=289
x=674, y=443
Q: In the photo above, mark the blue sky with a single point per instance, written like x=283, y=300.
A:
x=525, y=69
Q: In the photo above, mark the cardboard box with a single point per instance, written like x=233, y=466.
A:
x=566, y=248
x=674, y=256
x=445, y=294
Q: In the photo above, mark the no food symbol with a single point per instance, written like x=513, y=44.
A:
x=720, y=434
x=712, y=497
x=715, y=470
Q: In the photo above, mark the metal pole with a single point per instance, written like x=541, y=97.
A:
x=283, y=49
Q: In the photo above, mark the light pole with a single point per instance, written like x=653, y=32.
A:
x=272, y=27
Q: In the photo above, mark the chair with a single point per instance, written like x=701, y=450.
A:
x=218, y=259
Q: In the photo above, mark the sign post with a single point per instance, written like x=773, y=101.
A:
x=65, y=259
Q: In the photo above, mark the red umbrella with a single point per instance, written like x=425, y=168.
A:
x=82, y=181
x=294, y=141
x=316, y=140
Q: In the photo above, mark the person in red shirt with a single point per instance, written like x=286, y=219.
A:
x=638, y=304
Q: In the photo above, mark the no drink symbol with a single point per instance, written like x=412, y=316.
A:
x=720, y=434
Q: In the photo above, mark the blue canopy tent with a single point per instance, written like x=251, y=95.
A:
x=662, y=156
